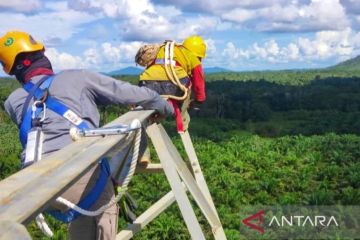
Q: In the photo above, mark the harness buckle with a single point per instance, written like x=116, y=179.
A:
x=35, y=106
x=45, y=96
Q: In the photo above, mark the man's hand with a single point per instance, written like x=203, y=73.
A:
x=156, y=118
x=195, y=105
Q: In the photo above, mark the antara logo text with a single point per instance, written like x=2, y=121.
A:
x=257, y=223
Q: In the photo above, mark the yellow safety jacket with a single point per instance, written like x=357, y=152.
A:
x=184, y=61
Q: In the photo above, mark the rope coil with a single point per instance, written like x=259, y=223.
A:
x=171, y=74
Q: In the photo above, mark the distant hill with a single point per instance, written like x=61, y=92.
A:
x=349, y=65
x=216, y=70
x=126, y=71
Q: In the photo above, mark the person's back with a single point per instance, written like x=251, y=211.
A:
x=186, y=62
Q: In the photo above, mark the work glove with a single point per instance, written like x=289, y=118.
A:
x=157, y=118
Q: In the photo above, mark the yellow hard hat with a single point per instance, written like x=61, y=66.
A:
x=14, y=43
x=196, y=45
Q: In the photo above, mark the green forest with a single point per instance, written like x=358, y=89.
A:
x=272, y=138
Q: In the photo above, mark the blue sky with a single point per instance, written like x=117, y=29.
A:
x=104, y=35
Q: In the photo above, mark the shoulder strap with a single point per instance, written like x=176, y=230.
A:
x=31, y=95
x=33, y=90
x=52, y=104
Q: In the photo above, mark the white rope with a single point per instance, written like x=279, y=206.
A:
x=135, y=124
x=171, y=50
x=171, y=74
x=87, y=212
x=167, y=60
x=40, y=221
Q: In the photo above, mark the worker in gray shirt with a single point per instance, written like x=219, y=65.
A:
x=80, y=92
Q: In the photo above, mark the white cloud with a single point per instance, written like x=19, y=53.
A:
x=216, y=6
x=112, y=53
x=212, y=53
x=351, y=6
x=20, y=5
x=128, y=51
x=292, y=51
x=113, y=56
x=231, y=52
x=136, y=17
x=145, y=28
x=328, y=44
x=326, y=15
x=275, y=15
x=174, y=27
x=272, y=48
x=104, y=58
x=224, y=25
x=115, y=9
x=324, y=45
x=62, y=60
x=239, y=15
x=168, y=11
x=355, y=41
x=210, y=47
x=92, y=57
x=141, y=20
x=46, y=26
x=194, y=25
x=260, y=52
x=292, y=16
x=56, y=6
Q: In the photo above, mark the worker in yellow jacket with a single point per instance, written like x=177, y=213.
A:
x=186, y=62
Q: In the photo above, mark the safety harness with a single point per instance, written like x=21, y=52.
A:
x=40, y=92
x=31, y=119
x=169, y=64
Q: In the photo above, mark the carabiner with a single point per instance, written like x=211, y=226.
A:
x=34, y=108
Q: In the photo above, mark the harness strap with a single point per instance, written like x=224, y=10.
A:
x=178, y=117
x=161, y=61
x=89, y=199
x=31, y=95
x=34, y=91
x=51, y=103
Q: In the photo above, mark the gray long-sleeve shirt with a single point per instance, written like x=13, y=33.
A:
x=81, y=91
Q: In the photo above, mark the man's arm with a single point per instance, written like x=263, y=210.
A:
x=107, y=90
x=198, y=81
x=9, y=110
